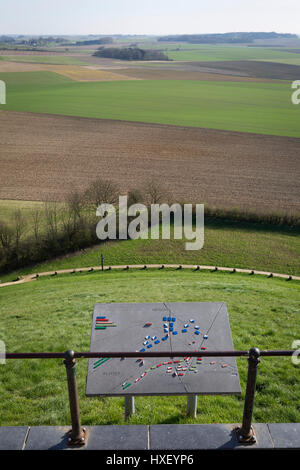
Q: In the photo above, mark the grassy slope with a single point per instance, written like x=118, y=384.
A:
x=263, y=108
x=239, y=245
x=263, y=312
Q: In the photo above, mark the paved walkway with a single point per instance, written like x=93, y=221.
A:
x=33, y=277
x=153, y=437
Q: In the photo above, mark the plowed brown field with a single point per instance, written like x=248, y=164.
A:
x=45, y=156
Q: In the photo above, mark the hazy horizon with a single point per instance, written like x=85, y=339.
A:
x=155, y=18
x=139, y=34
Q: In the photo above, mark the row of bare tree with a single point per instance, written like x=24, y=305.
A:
x=56, y=228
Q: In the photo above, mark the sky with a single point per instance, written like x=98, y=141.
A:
x=156, y=17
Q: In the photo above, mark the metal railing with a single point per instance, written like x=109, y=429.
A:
x=78, y=434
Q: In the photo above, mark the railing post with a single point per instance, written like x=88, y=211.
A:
x=129, y=406
x=77, y=435
x=191, y=409
x=246, y=432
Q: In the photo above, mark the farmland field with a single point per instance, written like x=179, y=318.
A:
x=293, y=61
x=209, y=52
x=45, y=156
x=74, y=72
x=263, y=108
x=36, y=316
x=216, y=125
x=40, y=59
x=213, y=53
x=268, y=71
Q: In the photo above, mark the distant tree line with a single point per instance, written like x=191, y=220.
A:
x=91, y=42
x=230, y=38
x=6, y=39
x=130, y=53
x=31, y=41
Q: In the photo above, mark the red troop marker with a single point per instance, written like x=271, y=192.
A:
x=203, y=347
x=199, y=358
x=181, y=373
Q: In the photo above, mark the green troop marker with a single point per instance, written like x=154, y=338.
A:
x=97, y=365
x=100, y=362
x=103, y=327
x=126, y=386
x=109, y=324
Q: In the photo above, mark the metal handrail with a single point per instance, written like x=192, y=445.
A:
x=78, y=435
x=204, y=353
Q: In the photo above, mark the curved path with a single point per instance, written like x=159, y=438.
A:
x=31, y=277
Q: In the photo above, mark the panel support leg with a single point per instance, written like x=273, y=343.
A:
x=192, y=406
x=129, y=406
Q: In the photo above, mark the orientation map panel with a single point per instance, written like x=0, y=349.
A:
x=194, y=326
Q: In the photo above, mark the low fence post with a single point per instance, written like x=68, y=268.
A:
x=77, y=435
x=246, y=432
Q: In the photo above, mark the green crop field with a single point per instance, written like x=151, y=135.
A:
x=203, y=53
x=263, y=108
x=47, y=59
x=54, y=314
x=211, y=52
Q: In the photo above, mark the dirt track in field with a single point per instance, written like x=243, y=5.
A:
x=46, y=156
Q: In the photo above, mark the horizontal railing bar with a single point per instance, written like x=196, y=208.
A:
x=200, y=353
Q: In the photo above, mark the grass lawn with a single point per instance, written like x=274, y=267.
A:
x=54, y=314
x=263, y=108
